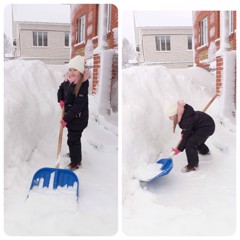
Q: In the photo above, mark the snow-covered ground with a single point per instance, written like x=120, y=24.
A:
x=31, y=125
x=198, y=203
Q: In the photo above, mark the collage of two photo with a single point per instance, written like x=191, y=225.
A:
x=119, y=132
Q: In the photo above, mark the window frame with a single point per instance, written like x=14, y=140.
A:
x=163, y=41
x=203, y=31
x=188, y=39
x=41, y=37
x=81, y=37
x=230, y=23
x=109, y=17
x=67, y=34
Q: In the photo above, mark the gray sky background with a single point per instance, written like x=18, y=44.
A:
x=59, y=13
x=153, y=18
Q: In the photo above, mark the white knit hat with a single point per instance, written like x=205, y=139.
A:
x=78, y=63
x=170, y=109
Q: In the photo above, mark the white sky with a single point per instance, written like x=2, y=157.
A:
x=59, y=13
x=153, y=18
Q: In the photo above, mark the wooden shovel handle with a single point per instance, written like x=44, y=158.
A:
x=60, y=135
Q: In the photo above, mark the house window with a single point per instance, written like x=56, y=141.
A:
x=40, y=39
x=81, y=29
x=109, y=16
x=230, y=22
x=190, y=41
x=163, y=43
x=204, y=31
x=66, y=40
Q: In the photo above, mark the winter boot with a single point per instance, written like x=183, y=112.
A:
x=190, y=168
x=74, y=166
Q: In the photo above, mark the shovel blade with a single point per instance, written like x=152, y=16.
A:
x=53, y=178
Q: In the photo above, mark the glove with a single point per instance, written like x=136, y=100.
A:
x=175, y=151
x=63, y=123
x=61, y=103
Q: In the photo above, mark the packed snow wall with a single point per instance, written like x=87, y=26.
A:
x=30, y=109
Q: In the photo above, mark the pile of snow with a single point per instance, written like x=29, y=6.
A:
x=30, y=110
x=31, y=126
x=196, y=203
x=146, y=172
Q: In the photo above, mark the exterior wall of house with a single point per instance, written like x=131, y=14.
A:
x=54, y=53
x=86, y=48
x=91, y=42
x=205, y=54
x=178, y=56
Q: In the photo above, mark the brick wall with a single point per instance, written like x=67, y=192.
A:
x=201, y=52
x=219, y=67
x=114, y=24
x=97, y=61
x=91, y=13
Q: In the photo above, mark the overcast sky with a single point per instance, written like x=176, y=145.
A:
x=59, y=13
x=153, y=18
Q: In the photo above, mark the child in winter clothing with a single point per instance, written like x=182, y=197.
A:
x=73, y=96
x=196, y=128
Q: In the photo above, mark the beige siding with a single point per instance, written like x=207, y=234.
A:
x=54, y=53
x=178, y=56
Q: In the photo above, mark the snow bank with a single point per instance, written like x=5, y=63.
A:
x=30, y=103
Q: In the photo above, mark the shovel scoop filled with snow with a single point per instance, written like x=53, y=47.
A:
x=154, y=171
x=54, y=178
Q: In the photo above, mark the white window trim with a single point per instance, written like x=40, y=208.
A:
x=81, y=29
x=165, y=36
x=69, y=40
x=189, y=36
x=40, y=46
x=109, y=17
x=204, y=32
x=230, y=24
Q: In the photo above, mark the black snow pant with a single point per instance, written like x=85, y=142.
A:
x=74, y=142
x=195, y=144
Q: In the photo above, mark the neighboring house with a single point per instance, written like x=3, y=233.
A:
x=49, y=42
x=94, y=34
x=215, y=34
x=169, y=46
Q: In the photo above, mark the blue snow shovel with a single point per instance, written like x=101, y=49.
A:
x=166, y=166
x=55, y=177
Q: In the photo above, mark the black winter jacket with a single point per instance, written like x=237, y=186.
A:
x=76, y=107
x=194, y=122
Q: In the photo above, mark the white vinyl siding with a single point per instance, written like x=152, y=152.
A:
x=166, y=46
x=43, y=41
